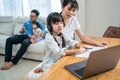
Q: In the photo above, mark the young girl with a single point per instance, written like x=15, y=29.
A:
x=56, y=44
x=71, y=23
x=37, y=32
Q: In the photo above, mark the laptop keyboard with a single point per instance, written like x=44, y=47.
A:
x=80, y=71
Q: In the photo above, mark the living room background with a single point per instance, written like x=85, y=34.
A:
x=23, y=7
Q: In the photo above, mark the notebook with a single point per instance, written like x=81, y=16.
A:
x=87, y=53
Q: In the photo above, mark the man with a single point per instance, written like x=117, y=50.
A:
x=24, y=39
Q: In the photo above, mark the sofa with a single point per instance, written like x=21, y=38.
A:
x=10, y=26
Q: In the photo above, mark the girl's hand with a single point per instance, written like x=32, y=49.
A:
x=82, y=50
x=77, y=45
x=42, y=35
x=31, y=40
x=38, y=70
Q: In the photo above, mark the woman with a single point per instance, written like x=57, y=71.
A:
x=71, y=23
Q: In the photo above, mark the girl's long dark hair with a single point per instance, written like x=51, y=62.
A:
x=53, y=18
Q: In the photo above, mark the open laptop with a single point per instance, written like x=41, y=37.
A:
x=98, y=62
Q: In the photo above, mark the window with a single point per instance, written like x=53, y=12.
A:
x=23, y=7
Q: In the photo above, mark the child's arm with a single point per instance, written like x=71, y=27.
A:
x=38, y=70
x=39, y=32
x=71, y=44
x=33, y=39
x=75, y=51
x=56, y=50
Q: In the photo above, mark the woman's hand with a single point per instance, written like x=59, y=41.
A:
x=102, y=44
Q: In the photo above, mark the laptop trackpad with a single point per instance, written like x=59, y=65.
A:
x=77, y=65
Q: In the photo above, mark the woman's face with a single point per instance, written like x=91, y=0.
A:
x=57, y=27
x=67, y=11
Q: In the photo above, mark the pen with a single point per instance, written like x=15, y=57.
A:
x=88, y=48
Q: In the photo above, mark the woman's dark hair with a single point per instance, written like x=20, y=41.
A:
x=53, y=18
x=73, y=3
x=36, y=23
x=36, y=12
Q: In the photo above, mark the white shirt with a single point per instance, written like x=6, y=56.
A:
x=36, y=31
x=70, y=28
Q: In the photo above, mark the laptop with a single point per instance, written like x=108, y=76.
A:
x=98, y=62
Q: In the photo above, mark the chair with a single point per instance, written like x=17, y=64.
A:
x=113, y=32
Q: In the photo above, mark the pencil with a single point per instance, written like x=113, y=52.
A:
x=88, y=48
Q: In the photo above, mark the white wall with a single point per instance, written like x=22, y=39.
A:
x=80, y=14
x=100, y=14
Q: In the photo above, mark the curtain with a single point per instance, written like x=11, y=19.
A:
x=23, y=7
x=10, y=7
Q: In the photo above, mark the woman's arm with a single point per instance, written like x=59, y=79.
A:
x=88, y=40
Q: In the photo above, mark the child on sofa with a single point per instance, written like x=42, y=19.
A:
x=55, y=44
x=36, y=32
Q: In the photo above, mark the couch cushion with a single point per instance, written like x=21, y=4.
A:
x=43, y=19
x=3, y=40
x=18, y=27
x=6, y=19
x=21, y=19
x=19, y=24
x=7, y=25
x=37, y=47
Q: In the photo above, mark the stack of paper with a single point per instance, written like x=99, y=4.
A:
x=87, y=53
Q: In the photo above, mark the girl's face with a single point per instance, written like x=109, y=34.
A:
x=67, y=11
x=34, y=26
x=57, y=27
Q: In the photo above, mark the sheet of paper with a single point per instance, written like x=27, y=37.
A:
x=87, y=53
